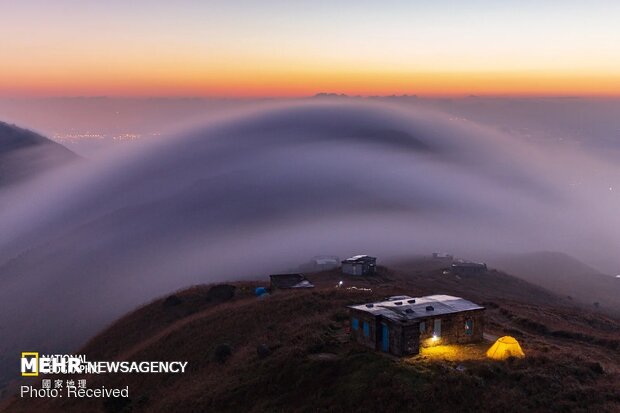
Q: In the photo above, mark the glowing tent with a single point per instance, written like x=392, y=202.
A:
x=505, y=347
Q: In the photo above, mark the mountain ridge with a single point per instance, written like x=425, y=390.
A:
x=25, y=154
x=571, y=362
x=565, y=275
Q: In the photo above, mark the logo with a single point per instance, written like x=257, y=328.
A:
x=33, y=364
x=30, y=363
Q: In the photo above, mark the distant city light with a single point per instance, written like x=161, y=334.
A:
x=74, y=137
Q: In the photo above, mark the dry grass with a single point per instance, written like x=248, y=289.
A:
x=559, y=374
x=452, y=353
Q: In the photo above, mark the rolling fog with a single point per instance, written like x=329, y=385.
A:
x=261, y=190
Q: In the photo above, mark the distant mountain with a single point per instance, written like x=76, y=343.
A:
x=564, y=275
x=330, y=95
x=24, y=154
x=343, y=95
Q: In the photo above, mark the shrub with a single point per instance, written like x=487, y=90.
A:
x=117, y=404
x=172, y=300
x=263, y=350
x=221, y=293
x=222, y=352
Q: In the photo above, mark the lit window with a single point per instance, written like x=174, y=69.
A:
x=366, y=329
x=469, y=327
x=356, y=324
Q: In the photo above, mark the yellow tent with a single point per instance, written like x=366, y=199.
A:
x=505, y=347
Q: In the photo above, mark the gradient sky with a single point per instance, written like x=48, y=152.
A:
x=295, y=48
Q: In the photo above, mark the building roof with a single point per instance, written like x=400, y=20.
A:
x=359, y=258
x=404, y=308
x=290, y=281
x=469, y=264
x=325, y=259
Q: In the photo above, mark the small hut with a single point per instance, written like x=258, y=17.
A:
x=469, y=268
x=360, y=265
x=289, y=281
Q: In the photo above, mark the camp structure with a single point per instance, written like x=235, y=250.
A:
x=289, y=281
x=469, y=268
x=261, y=291
x=400, y=325
x=505, y=347
x=360, y=265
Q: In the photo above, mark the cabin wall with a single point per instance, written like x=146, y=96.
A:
x=352, y=269
x=453, y=329
x=359, y=268
x=411, y=340
x=358, y=334
x=471, y=271
x=370, y=267
x=394, y=334
x=404, y=338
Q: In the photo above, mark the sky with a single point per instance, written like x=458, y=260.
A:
x=284, y=48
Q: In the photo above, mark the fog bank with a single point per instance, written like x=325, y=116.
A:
x=262, y=190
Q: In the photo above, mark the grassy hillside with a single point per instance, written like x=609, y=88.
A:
x=306, y=362
x=566, y=276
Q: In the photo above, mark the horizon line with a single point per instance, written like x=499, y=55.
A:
x=327, y=95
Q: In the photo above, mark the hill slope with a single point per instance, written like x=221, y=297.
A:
x=564, y=275
x=572, y=364
x=24, y=154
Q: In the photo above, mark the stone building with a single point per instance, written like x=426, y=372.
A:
x=359, y=265
x=401, y=324
x=469, y=268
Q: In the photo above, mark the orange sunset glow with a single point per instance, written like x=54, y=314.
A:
x=301, y=83
x=157, y=49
